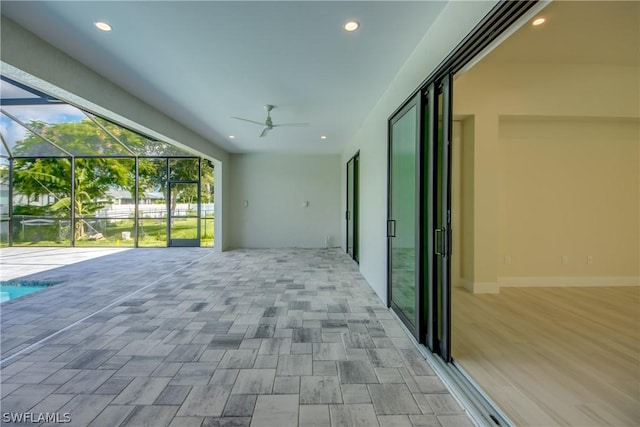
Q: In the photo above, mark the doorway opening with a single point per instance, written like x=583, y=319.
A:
x=545, y=196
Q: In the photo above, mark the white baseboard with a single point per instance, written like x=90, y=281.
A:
x=546, y=282
x=559, y=281
x=481, y=287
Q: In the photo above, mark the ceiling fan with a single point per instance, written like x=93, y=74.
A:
x=268, y=123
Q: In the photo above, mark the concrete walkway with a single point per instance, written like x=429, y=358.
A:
x=189, y=337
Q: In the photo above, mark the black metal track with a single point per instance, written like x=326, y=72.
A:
x=501, y=17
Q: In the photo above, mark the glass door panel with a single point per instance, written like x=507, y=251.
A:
x=184, y=227
x=402, y=231
x=350, y=205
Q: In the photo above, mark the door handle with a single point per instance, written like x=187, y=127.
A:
x=391, y=228
x=443, y=246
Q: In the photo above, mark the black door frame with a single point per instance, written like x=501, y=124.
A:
x=442, y=179
x=171, y=242
x=353, y=218
x=426, y=206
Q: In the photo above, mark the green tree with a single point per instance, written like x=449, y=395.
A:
x=153, y=177
x=36, y=176
x=52, y=176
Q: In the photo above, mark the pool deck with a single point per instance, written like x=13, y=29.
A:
x=16, y=262
x=190, y=337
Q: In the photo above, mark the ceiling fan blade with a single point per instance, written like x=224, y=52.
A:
x=264, y=131
x=247, y=120
x=300, y=125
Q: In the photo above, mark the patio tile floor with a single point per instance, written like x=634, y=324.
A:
x=183, y=337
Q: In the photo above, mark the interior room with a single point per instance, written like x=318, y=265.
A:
x=546, y=192
x=198, y=76
x=288, y=319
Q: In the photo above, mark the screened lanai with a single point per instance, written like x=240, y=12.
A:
x=71, y=178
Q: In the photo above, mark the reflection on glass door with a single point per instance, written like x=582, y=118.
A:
x=184, y=203
x=401, y=224
x=352, y=206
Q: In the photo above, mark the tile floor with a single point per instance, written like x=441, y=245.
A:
x=188, y=337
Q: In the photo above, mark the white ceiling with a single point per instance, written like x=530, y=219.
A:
x=577, y=32
x=203, y=62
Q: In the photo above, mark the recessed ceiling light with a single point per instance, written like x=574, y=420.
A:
x=352, y=25
x=538, y=21
x=103, y=26
x=232, y=137
x=323, y=137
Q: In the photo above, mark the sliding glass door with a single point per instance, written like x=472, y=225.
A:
x=419, y=222
x=351, y=215
x=419, y=216
x=402, y=220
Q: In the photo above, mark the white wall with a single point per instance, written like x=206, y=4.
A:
x=569, y=188
x=32, y=60
x=275, y=186
x=456, y=20
x=554, y=150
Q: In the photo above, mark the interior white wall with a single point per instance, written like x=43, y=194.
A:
x=569, y=187
x=518, y=111
x=275, y=188
x=456, y=20
x=32, y=60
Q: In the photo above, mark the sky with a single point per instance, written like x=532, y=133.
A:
x=51, y=113
x=54, y=113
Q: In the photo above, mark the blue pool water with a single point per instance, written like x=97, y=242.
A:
x=13, y=289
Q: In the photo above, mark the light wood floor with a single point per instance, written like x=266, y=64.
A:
x=553, y=356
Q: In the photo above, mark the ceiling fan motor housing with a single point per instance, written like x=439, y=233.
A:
x=268, y=122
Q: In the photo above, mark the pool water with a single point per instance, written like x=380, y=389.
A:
x=13, y=289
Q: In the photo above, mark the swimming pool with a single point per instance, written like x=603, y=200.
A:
x=12, y=289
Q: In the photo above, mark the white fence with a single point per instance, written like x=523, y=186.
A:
x=153, y=210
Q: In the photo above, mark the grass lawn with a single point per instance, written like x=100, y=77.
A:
x=153, y=233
